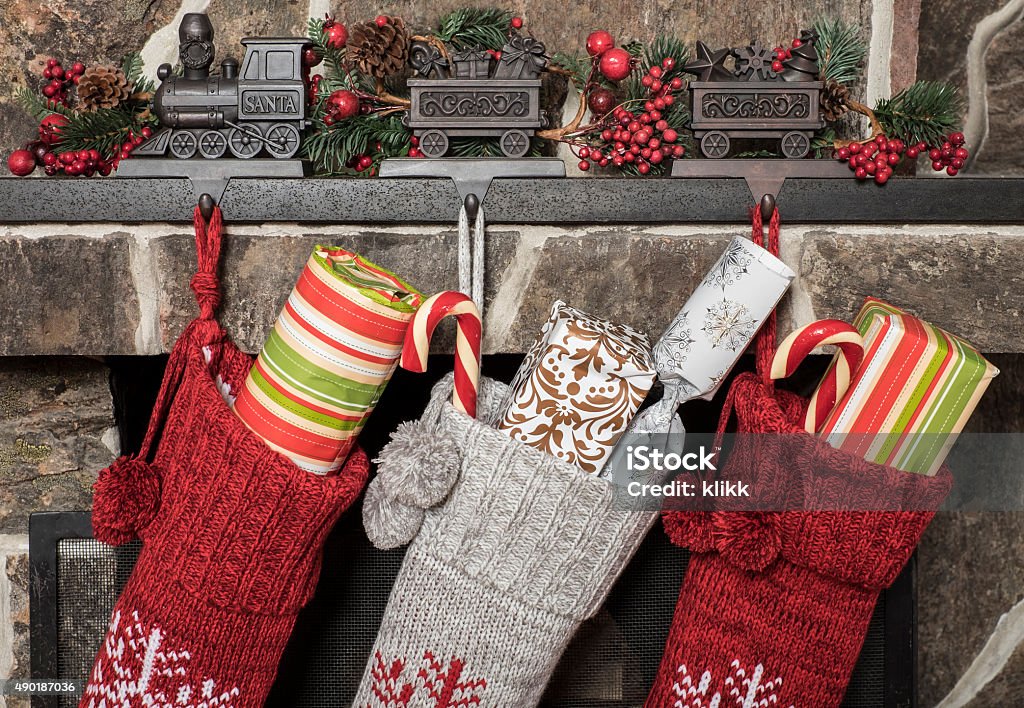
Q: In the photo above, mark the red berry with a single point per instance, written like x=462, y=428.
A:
x=668, y=63
x=584, y=152
x=615, y=64
x=600, y=101
x=643, y=167
x=310, y=58
x=655, y=72
x=147, y=132
x=57, y=72
x=870, y=168
x=50, y=127
x=797, y=43
x=777, y=66
x=961, y=154
x=517, y=22
x=51, y=62
x=656, y=157
x=668, y=100
x=381, y=20
x=957, y=139
x=921, y=146
x=606, y=135
x=646, y=81
x=669, y=136
x=843, y=153
x=365, y=161
x=881, y=140
x=881, y=178
x=957, y=163
x=629, y=157
x=678, y=151
x=913, y=152
x=78, y=68
x=49, y=91
x=599, y=42
x=633, y=126
x=584, y=165
x=934, y=154
x=861, y=173
x=21, y=163
x=47, y=74
x=49, y=159
x=952, y=171
x=344, y=104
x=656, y=85
x=937, y=166
x=603, y=162
x=676, y=83
x=893, y=158
x=855, y=148
x=336, y=36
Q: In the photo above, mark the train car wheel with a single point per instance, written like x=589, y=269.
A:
x=183, y=144
x=212, y=144
x=282, y=140
x=795, y=145
x=715, y=144
x=433, y=143
x=245, y=142
x=515, y=143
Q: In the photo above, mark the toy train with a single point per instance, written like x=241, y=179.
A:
x=258, y=107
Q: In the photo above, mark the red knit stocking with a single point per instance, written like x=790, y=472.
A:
x=775, y=606
x=231, y=531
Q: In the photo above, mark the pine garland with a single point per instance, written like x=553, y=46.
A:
x=841, y=50
x=332, y=148
x=925, y=111
x=475, y=28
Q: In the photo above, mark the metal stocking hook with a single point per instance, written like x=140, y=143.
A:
x=206, y=206
x=767, y=206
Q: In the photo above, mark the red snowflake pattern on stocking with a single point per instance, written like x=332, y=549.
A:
x=443, y=685
x=746, y=691
x=137, y=668
x=436, y=682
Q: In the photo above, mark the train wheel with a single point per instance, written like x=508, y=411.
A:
x=514, y=143
x=283, y=140
x=245, y=142
x=212, y=144
x=183, y=144
x=433, y=143
x=795, y=145
x=715, y=144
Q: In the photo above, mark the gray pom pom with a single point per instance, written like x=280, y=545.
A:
x=419, y=466
x=388, y=523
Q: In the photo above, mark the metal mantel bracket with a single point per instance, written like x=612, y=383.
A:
x=764, y=178
x=472, y=175
x=211, y=176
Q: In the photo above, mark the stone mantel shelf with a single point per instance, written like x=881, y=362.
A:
x=989, y=200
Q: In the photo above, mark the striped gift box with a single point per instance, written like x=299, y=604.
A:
x=912, y=394
x=327, y=361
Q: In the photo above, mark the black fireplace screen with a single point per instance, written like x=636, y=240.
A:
x=612, y=661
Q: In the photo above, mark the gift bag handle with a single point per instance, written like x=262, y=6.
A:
x=200, y=332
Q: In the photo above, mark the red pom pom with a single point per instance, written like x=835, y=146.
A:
x=748, y=540
x=126, y=498
x=690, y=529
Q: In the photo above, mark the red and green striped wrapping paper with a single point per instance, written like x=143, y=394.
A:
x=912, y=394
x=327, y=361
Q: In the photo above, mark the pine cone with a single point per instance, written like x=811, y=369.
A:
x=379, y=50
x=833, y=101
x=102, y=87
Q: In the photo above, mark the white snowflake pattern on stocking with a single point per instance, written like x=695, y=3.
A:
x=742, y=690
x=136, y=668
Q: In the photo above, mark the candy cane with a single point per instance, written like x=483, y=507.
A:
x=795, y=348
x=467, y=343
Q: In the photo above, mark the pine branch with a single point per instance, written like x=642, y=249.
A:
x=132, y=67
x=103, y=130
x=37, y=106
x=925, y=111
x=662, y=47
x=471, y=28
x=331, y=148
x=841, y=50
x=575, y=66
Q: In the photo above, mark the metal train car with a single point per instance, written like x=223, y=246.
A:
x=258, y=107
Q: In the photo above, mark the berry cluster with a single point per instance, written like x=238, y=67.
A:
x=61, y=81
x=950, y=156
x=874, y=158
x=781, y=54
x=640, y=138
